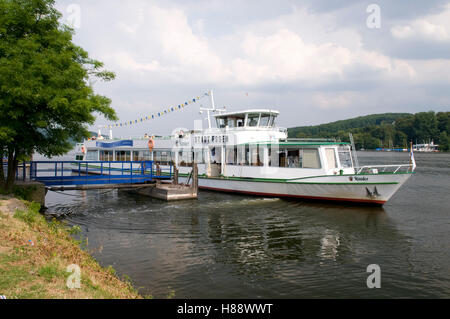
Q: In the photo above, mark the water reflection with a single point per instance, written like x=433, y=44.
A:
x=226, y=241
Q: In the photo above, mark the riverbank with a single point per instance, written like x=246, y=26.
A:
x=40, y=259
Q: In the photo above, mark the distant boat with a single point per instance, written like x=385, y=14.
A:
x=430, y=147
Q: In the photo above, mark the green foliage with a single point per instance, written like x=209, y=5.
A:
x=444, y=141
x=385, y=130
x=30, y=216
x=111, y=270
x=45, y=95
x=324, y=130
x=74, y=230
x=50, y=271
x=24, y=192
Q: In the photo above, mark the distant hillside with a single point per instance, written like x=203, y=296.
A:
x=331, y=129
x=384, y=130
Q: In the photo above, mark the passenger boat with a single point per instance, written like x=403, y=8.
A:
x=246, y=152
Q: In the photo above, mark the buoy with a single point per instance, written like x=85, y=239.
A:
x=151, y=144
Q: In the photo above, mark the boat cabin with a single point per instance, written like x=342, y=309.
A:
x=252, y=119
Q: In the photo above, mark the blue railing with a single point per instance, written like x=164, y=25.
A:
x=63, y=173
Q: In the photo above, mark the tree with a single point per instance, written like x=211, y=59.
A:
x=425, y=127
x=444, y=141
x=45, y=95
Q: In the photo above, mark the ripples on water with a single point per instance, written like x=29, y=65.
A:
x=232, y=246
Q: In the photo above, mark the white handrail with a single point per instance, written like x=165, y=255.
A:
x=398, y=166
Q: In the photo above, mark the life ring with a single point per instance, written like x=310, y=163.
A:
x=151, y=144
x=83, y=150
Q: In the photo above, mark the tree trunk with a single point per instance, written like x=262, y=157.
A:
x=12, y=167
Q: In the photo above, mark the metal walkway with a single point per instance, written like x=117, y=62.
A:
x=63, y=173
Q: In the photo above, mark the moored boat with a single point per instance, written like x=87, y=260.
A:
x=246, y=152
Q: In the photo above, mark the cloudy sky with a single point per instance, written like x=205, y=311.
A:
x=315, y=61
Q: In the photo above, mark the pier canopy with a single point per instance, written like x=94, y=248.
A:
x=247, y=118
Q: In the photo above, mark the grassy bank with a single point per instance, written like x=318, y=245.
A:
x=35, y=255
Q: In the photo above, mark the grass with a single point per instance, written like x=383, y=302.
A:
x=35, y=255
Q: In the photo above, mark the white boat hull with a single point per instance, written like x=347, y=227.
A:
x=377, y=190
x=373, y=189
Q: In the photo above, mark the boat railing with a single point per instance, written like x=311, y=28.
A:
x=384, y=169
x=91, y=172
x=242, y=128
x=309, y=140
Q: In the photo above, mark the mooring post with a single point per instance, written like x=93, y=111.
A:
x=175, y=174
x=195, y=178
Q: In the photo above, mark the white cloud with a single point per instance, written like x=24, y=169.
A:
x=164, y=52
x=433, y=27
x=285, y=57
x=273, y=51
x=127, y=62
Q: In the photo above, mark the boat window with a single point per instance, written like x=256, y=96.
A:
x=255, y=156
x=265, y=119
x=123, y=156
x=222, y=122
x=231, y=155
x=199, y=158
x=185, y=158
x=311, y=158
x=274, y=158
x=106, y=156
x=163, y=157
x=242, y=155
x=239, y=122
x=79, y=157
x=231, y=122
x=293, y=158
x=345, y=156
x=252, y=120
x=141, y=155
x=331, y=158
x=92, y=156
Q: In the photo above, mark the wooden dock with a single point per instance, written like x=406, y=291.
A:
x=172, y=190
x=166, y=190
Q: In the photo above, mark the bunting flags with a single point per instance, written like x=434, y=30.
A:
x=168, y=110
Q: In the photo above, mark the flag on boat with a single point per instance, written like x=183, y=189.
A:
x=412, y=160
x=159, y=114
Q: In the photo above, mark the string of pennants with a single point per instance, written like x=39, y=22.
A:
x=159, y=114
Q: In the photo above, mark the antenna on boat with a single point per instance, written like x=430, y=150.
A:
x=211, y=94
x=208, y=114
x=212, y=109
x=355, y=157
x=99, y=133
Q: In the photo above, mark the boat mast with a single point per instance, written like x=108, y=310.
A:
x=211, y=95
x=355, y=156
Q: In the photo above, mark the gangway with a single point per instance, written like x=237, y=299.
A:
x=62, y=173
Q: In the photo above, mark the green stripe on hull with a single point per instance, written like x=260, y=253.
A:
x=284, y=181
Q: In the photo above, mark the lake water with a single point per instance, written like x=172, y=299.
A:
x=232, y=246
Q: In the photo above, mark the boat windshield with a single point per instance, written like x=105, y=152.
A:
x=247, y=120
x=345, y=156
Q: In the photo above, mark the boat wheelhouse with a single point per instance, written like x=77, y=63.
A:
x=246, y=152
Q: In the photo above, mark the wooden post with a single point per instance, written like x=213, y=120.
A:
x=175, y=174
x=195, y=178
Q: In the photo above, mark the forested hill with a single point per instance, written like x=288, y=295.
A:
x=384, y=130
x=345, y=125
